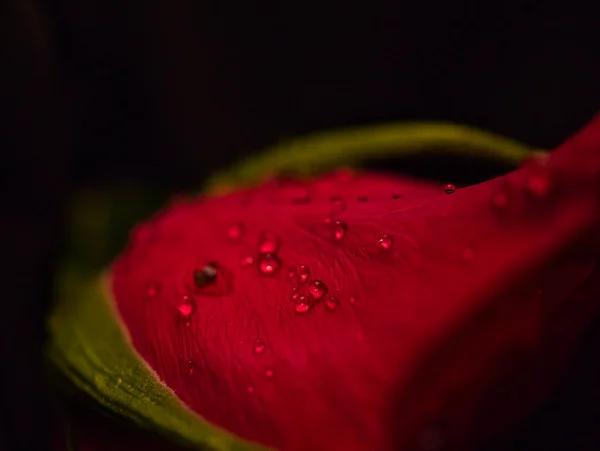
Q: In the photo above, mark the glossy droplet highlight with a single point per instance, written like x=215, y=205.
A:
x=268, y=264
x=259, y=346
x=295, y=294
x=317, y=289
x=236, y=231
x=268, y=243
x=205, y=276
x=339, y=230
x=247, y=260
x=191, y=367
x=303, y=273
x=332, y=302
x=386, y=241
x=269, y=373
x=186, y=307
x=303, y=304
x=449, y=188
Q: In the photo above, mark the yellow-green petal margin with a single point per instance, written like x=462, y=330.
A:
x=317, y=152
x=90, y=347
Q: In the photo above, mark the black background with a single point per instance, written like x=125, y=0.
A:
x=166, y=92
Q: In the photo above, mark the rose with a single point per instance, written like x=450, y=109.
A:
x=354, y=311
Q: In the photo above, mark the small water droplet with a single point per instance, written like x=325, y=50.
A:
x=538, y=185
x=153, y=289
x=247, y=260
x=250, y=389
x=292, y=274
x=499, y=200
x=386, y=241
x=191, y=367
x=317, y=289
x=339, y=230
x=268, y=243
x=236, y=231
x=337, y=204
x=259, y=346
x=303, y=304
x=449, y=188
x=268, y=264
x=205, y=276
x=352, y=299
x=303, y=273
x=186, y=307
x=295, y=294
x=269, y=373
x=468, y=254
x=332, y=302
x=327, y=221
x=362, y=198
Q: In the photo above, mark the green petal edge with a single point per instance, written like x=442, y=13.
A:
x=90, y=347
x=323, y=151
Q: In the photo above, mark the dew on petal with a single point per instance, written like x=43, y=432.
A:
x=247, y=260
x=236, y=231
x=186, y=307
x=205, y=276
x=303, y=304
x=259, y=346
x=268, y=243
x=191, y=367
x=337, y=204
x=386, y=241
x=317, y=289
x=303, y=273
x=449, y=188
x=339, y=230
x=352, y=299
x=332, y=302
x=268, y=264
x=292, y=274
x=269, y=373
x=295, y=294
x=327, y=221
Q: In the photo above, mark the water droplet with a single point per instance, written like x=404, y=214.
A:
x=317, y=289
x=339, y=230
x=191, y=367
x=303, y=273
x=449, y=188
x=205, y=276
x=186, y=307
x=269, y=373
x=538, y=185
x=352, y=299
x=386, y=241
x=362, y=198
x=337, y=204
x=268, y=264
x=332, y=303
x=250, y=389
x=153, y=289
x=303, y=305
x=295, y=294
x=468, y=254
x=268, y=243
x=247, y=260
x=259, y=346
x=236, y=231
x=327, y=221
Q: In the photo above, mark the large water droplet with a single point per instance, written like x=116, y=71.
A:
x=259, y=346
x=303, y=304
x=449, y=188
x=386, y=241
x=191, y=367
x=268, y=243
x=317, y=289
x=236, y=231
x=339, y=230
x=268, y=264
x=332, y=302
x=205, y=276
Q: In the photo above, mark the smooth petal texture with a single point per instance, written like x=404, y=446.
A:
x=444, y=300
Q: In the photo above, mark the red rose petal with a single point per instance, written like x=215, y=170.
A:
x=444, y=299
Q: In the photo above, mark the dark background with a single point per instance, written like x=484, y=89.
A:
x=166, y=92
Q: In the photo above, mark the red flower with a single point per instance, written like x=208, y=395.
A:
x=363, y=311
